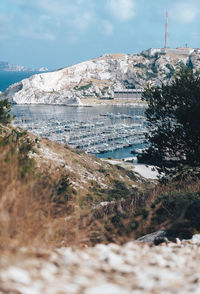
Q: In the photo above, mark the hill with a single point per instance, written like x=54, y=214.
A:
x=51, y=194
x=100, y=77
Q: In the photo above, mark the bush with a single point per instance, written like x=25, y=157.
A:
x=178, y=212
x=5, y=109
x=16, y=147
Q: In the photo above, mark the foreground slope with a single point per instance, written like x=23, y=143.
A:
x=51, y=194
x=100, y=77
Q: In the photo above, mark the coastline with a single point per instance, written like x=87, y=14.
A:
x=147, y=171
x=99, y=102
x=92, y=102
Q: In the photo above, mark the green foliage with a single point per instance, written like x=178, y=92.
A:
x=119, y=191
x=5, y=109
x=140, y=65
x=173, y=117
x=129, y=85
x=85, y=87
x=17, y=147
x=102, y=170
x=63, y=191
x=154, y=67
x=104, y=90
x=171, y=69
x=178, y=211
x=152, y=75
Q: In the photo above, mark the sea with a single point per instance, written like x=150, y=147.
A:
x=43, y=119
x=8, y=78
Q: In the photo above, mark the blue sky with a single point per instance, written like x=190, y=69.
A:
x=58, y=33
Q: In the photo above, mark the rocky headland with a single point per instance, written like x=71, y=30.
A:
x=99, y=78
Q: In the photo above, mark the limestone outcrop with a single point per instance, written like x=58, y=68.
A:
x=100, y=77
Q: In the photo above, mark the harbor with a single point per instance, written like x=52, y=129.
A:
x=94, y=131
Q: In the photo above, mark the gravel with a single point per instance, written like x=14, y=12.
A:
x=104, y=269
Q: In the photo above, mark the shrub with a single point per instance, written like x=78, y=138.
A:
x=16, y=146
x=5, y=109
x=84, y=87
x=63, y=191
x=178, y=212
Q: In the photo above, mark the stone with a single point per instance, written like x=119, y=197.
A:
x=150, y=238
x=18, y=275
x=196, y=239
x=106, y=289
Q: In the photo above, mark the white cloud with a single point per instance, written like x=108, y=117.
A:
x=45, y=19
x=106, y=27
x=122, y=10
x=57, y=8
x=81, y=21
x=31, y=33
x=185, y=12
x=4, y=19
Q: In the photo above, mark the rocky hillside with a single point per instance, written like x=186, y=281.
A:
x=52, y=194
x=100, y=77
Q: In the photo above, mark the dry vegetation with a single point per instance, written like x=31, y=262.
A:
x=51, y=196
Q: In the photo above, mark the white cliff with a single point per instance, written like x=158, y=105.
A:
x=98, y=78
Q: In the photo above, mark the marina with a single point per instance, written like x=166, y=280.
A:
x=96, y=130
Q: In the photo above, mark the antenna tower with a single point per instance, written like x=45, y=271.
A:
x=166, y=32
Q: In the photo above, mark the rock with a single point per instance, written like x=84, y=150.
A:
x=196, y=239
x=100, y=77
x=178, y=241
x=153, y=238
x=18, y=275
x=106, y=289
x=160, y=239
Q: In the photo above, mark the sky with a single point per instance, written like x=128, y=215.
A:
x=59, y=33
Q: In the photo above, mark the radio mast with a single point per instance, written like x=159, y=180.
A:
x=166, y=32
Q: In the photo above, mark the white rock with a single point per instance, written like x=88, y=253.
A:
x=28, y=290
x=19, y=275
x=196, y=239
x=106, y=289
x=48, y=271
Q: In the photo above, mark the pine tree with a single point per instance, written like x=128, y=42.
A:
x=173, y=121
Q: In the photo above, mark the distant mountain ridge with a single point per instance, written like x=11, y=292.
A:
x=5, y=66
x=100, y=77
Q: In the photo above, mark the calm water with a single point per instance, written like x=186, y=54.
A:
x=67, y=113
x=9, y=78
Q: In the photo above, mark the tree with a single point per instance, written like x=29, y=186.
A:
x=173, y=121
x=5, y=109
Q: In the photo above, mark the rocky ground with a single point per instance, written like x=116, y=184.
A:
x=108, y=269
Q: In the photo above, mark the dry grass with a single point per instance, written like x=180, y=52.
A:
x=52, y=197
x=48, y=194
